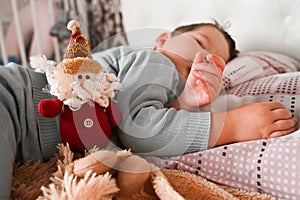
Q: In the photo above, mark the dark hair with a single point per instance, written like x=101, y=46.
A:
x=233, y=52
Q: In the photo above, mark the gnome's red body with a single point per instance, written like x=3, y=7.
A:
x=85, y=128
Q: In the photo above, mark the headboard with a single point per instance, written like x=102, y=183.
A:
x=271, y=25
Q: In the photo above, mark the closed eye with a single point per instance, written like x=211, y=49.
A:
x=201, y=44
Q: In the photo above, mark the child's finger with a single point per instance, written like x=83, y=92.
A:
x=207, y=76
x=204, y=89
x=199, y=58
x=217, y=60
x=282, y=132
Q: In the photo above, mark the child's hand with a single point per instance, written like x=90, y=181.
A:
x=204, y=81
x=263, y=120
x=252, y=122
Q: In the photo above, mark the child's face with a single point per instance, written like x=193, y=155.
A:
x=206, y=39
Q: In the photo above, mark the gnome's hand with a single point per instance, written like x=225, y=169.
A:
x=49, y=107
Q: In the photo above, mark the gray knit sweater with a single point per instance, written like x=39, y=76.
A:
x=150, y=83
x=20, y=91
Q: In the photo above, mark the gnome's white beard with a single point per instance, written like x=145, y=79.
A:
x=80, y=94
x=99, y=89
x=74, y=92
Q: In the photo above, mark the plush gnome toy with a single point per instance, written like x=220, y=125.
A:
x=84, y=92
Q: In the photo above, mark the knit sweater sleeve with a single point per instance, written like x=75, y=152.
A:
x=20, y=91
x=150, y=83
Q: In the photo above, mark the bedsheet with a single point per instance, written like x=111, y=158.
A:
x=270, y=166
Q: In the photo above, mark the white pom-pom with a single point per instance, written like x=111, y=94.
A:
x=73, y=24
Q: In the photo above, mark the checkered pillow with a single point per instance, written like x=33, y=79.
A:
x=255, y=64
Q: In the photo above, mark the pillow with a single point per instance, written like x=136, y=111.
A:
x=255, y=64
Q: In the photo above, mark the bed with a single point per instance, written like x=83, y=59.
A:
x=267, y=69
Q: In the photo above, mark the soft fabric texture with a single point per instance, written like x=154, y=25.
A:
x=254, y=64
x=268, y=166
x=73, y=124
x=166, y=184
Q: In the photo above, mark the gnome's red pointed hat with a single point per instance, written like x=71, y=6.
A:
x=79, y=45
x=77, y=57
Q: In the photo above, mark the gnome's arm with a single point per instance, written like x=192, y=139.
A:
x=50, y=107
x=114, y=114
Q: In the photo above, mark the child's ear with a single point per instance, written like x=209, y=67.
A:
x=161, y=39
